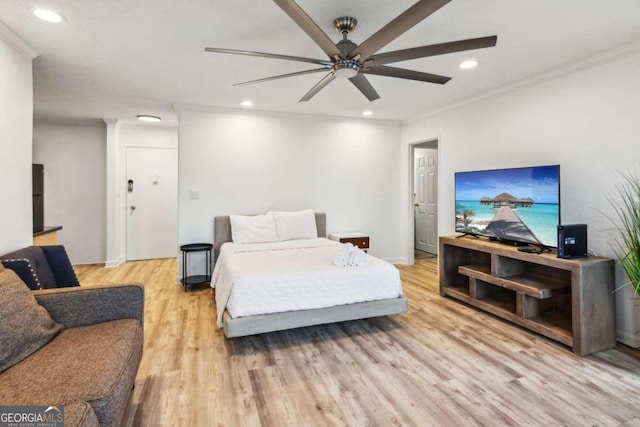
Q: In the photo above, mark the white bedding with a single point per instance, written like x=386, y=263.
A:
x=263, y=278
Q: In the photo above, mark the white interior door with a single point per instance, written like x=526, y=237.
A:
x=152, y=203
x=426, y=197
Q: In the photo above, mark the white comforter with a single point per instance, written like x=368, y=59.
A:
x=265, y=278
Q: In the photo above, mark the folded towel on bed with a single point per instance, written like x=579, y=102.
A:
x=350, y=256
x=342, y=258
x=357, y=258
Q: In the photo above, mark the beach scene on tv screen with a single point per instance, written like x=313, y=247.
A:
x=525, y=199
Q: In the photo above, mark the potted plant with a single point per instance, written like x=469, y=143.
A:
x=627, y=248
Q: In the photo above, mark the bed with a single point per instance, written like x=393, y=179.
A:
x=282, y=277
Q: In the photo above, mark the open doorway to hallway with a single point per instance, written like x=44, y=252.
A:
x=425, y=199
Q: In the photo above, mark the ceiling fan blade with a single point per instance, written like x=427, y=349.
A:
x=401, y=73
x=281, y=76
x=318, y=87
x=363, y=85
x=309, y=26
x=396, y=27
x=269, y=55
x=433, y=50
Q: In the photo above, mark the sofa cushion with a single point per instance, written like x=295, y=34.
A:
x=80, y=414
x=95, y=363
x=60, y=265
x=23, y=268
x=26, y=326
x=38, y=261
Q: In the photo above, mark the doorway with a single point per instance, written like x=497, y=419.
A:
x=152, y=203
x=424, y=195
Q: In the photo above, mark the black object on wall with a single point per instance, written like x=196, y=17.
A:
x=37, y=172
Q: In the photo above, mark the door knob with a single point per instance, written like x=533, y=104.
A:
x=133, y=208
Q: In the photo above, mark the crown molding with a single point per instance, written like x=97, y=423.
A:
x=12, y=39
x=558, y=72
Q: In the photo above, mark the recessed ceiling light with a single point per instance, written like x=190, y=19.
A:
x=367, y=113
x=246, y=103
x=468, y=64
x=145, y=118
x=49, y=15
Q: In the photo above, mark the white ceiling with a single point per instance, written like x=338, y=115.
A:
x=119, y=58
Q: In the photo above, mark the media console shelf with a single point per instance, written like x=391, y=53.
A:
x=568, y=300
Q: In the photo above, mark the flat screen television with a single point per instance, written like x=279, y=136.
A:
x=517, y=205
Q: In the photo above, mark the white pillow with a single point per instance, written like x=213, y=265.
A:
x=253, y=229
x=295, y=225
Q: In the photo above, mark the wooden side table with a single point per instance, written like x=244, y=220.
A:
x=198, y=278
x=361, y=240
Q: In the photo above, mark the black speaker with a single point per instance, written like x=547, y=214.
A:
x=572, y=241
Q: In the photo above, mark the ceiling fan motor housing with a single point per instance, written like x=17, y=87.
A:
x=345, y=47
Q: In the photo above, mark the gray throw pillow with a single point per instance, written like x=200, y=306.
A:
x=25, y=326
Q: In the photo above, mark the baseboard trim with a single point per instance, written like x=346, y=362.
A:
x=114, y=263
x=90, y=263
x=630, y=339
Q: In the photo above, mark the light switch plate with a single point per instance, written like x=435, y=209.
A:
x=194, y=194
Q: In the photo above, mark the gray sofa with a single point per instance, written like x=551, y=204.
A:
x=77, y=347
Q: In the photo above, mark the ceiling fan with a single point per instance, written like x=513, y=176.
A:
x=352, y=61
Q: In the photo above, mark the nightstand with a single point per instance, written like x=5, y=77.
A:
x=198, y=278
x=361, y=240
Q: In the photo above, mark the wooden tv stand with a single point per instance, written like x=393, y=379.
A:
x=568, y=300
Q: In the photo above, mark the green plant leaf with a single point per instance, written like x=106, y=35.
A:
x=627, y=207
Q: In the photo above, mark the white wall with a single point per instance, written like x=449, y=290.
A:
x=586, y=121
x=246, y=163
x=16, y=117
x=74, y=159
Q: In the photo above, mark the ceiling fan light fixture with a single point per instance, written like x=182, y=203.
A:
x=345, y=69
x=468, y=64
x=146, y=118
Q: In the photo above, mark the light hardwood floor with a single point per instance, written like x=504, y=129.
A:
x=441, y=363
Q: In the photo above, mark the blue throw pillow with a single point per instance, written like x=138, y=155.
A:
x=60, y=265
x=22, y=267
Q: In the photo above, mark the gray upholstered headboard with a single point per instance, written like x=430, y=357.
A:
x=222, y=229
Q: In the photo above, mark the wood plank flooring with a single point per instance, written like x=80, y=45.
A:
x=440, y=364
